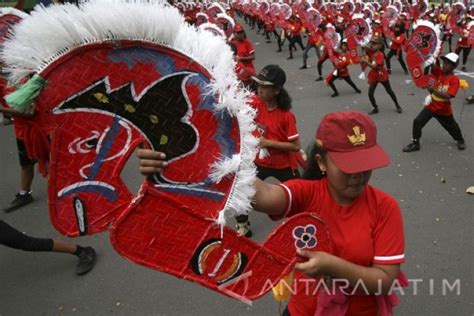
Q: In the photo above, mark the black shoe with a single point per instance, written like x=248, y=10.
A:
x=463, y=68
x=413, y=146
x=278, y=51
x=358, y=91
x=319, y=79
x=406, y=72
x=389, y=71
x=268, y=41
x=335, y=94
x=304, y=67
x=461, y=145
x=19, y=201
x=86, y=260
x=290, y=57
x=399, y=109
x=374, y=111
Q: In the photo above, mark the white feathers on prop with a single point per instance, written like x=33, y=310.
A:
x=51, y=32
x=263, y=153
x=427, y=100
x=362, y=75
x=214, y=29
x=437, y=31
x=13, y=11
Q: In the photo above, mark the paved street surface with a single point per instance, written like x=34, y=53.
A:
x=438, y=216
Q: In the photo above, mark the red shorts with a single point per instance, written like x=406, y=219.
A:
x=377, y=76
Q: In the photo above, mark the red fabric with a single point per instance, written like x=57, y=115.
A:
x=26, y=129
x=377, y=31
x=444, y=83
x=336, y=303
x=463, y=40
x=370, y=231
x=313, y=38
x=295, y=28
x=398, y=41
x=278, y=125
x=245, y=49
x=324, y=54
x=341, y=63
x=269, y=25
x=379, y=74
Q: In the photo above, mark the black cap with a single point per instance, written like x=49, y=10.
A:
x=271, y=75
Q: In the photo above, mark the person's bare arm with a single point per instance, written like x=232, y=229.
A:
x=377, y=279
x=282, y=146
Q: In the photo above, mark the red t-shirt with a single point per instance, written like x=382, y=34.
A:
x=444, y=83
x=379, y=74
x=278, y=125
x=377, y=31
x=245, y=49
x=398, y=41
x=368, y=232
x=313, y=38
x=341, y=63
x=295, y=28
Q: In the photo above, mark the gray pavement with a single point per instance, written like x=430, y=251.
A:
x=438, y=216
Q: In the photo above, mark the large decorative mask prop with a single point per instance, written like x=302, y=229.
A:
x=156, y=81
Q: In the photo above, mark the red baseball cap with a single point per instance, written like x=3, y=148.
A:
x=350, y=138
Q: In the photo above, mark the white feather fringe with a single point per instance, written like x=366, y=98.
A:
x=427, y=100
x=437, y=31
x=13, y=11
x=54, y=31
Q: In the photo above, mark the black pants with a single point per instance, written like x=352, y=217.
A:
x=306, y=51
x=262, y=173
x=392, y=53
x=13, y=238
x=292, y=40
x=465, y=53
x=388, y=88
x=447, y=122
x=449, y=39
x=346, y=78
x=267, y=35
x=321, y=62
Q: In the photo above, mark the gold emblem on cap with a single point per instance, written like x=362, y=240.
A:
x=358, y=138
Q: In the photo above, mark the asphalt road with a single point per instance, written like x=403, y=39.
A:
x=438, y=216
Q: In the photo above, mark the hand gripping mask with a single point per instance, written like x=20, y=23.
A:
x=170, y=87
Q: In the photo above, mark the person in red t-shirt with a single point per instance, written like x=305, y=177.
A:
x=396, y=47
x=276, y=125
x=245, y=51
x=463, y=42
x=324, y=56
x=378, y=74
x=271, y=29
x=294, y=35
x=364, y=223
x=439, y=107
x=340, y=69
x=314, y=41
